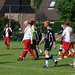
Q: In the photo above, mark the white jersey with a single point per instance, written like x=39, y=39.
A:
x=27, y=33
x=6, y=31
x=67, y=34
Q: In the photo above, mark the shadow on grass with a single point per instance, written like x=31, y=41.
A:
x=6, y=54
x=62, y=65
x=16, y=48
x=6, y=62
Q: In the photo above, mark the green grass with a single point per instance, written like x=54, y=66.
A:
x=10, y=66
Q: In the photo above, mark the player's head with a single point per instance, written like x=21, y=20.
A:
x=65, y=24
x=26, y=23
x=7, y=25
x=33, y=22
x=46, y=23
x=35, y=25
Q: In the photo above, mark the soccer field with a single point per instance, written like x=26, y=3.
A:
x=10, y=66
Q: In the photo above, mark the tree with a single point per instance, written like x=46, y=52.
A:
x=66, y=9
x=35, y=4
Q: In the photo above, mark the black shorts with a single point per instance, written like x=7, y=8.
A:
x=48, y=45
x=61, y=42
x=37, y=42
x=33, y=46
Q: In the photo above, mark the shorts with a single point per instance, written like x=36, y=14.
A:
x=33, y=46
x=37, y=42
x=48, y=45
x=67, y=45
x=27, y=45
x=6, y=39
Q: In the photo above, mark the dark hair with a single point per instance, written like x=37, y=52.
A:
x=33, y=22
x=66, y=23
x=48, y=22
x=7, y=24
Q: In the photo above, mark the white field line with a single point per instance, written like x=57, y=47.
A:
x=13, y=67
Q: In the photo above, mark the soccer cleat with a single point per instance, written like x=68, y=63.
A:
x=56, y=62
x=72, y=65
x=59, y=59
x=65, y=56
x=41, y=53
x=45, y=66
x=19, y=59
x=35, y=58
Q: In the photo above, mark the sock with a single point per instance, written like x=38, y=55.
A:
x=74, y=55
x=47, y=59
x=39, y=50
x=51, y=57
x=32, y=53
x=23, y=54
x=8, y=44
x=36, y=53
x=62, y=56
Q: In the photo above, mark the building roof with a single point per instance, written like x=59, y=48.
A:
x=16, y=6
x=48, y=8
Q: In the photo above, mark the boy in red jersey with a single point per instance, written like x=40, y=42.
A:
x=7, y=34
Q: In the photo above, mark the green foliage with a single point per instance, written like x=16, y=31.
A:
x=56, y=26
x=40, y=17
x=37, y=4
x=17, y=36
x=66, y=9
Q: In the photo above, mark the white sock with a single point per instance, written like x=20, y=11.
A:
x=40, y=50
x=47, y=61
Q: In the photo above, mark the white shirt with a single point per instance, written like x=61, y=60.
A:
x=27, y=33
x=6, y=31
x=67, y=34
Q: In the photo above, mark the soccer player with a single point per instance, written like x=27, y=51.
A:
x=67, y=41
x=27, y=40
x=49, y=38
x=33, y=46
x=7, y=34
x=60, y=32
x=38, y=38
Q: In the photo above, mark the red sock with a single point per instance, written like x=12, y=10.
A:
x=23, y=54
x=32, y=53
x=62, y=56
x=8, y=45
x=74, y=54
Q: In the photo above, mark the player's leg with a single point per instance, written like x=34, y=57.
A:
x=8, y=42
x=37, y=47
x=34, y=48
x=46, y=59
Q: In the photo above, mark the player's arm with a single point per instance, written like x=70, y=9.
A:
x=41, y=40
x=54, y=40
x=59, y=37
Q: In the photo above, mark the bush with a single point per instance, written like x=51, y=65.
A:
x=17, y=36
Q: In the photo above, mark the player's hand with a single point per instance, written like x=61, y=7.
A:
x=56, y=34
x=22, y=41
x=54, y=46
x=31, y=42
